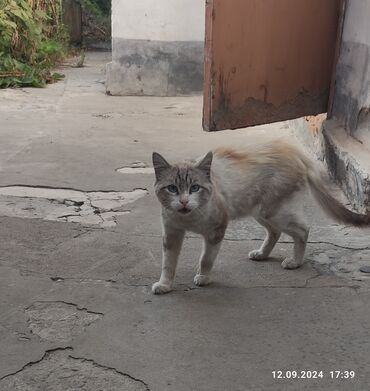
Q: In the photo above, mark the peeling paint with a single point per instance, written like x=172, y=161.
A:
x=250, y=82
x=255, y=112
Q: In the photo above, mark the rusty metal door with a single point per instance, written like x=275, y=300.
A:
x=267, y=60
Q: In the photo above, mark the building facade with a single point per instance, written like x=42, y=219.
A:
x=157, y=47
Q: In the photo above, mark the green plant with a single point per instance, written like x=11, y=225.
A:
x=102, y=7
x=96, y=20
x=32, y=40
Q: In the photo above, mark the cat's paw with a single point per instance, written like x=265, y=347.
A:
x=159, y=288
x=256, y=255
x=290, y=263
x=201, y=280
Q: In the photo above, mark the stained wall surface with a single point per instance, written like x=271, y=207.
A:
x=351, y=105
x=157, y=47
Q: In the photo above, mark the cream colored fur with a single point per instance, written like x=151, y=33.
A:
x=265, y=182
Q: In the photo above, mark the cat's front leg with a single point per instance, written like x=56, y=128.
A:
x=172, y=242
x=211, y=247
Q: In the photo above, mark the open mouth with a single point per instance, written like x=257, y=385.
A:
x=184, y=211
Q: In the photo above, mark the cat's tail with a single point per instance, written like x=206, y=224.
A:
x=320, y=186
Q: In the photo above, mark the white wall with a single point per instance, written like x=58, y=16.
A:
x=159, y=20
x=357, y=29
x=358, y=19
x=352, y=85
x=157, y=47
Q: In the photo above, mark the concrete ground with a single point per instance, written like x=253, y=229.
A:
x=80, y=247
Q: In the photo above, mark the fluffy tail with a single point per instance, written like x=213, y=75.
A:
x=331, y=205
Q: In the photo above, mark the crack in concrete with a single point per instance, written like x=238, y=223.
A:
x=58, y=320
x=82, y=280
x=303, y=286
x=188, y=288
x=58, y=366
x=37, y=361
x=291, y=242
x=113, y=369
x=81, y=233
x=67, y=303
x=310, y=279
x=115, y=282
x=339, y=246
x=60, y=279
x=67, y=205
x=138, y=285
x=260, y=240
x=7, y=314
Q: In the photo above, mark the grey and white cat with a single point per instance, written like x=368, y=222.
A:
x=265, y=182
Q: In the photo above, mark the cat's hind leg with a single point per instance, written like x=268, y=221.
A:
x=299, y=232
x=272, y=236
x=293, y=225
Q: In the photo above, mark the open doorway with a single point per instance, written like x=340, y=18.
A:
x=88, y=23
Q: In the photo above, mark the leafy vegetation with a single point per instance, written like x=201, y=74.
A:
x=96, y=20
x=32, y=40
x=104, y=6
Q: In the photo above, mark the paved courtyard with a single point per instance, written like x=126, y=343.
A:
x=80, y=246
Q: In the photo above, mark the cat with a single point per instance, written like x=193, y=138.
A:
x=266, y=182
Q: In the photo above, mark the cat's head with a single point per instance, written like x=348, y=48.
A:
x=183, y=188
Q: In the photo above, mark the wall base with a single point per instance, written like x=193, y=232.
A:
x=155, y=68
x=348, y=161
x=309, y=131
x=346, y=158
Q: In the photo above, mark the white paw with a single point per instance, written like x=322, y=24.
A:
x=290, y=263
x=201, y=280
x=256, y=255
x=159, y=288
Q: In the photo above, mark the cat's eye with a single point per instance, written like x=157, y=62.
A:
x=194, y=188
x=172, y=189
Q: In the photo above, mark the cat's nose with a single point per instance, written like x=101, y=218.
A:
x=184, y=202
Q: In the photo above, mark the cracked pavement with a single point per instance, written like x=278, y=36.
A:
x=70, y=205
x=76, y=307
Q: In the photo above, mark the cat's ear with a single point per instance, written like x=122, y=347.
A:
x=205, y=164
x=160, y=164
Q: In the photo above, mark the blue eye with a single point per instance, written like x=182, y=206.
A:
x=194, y=188
x=172, y=188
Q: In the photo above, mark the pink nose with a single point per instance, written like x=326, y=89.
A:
x=184, y=202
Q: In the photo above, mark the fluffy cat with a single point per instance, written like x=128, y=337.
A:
x=204, y=195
